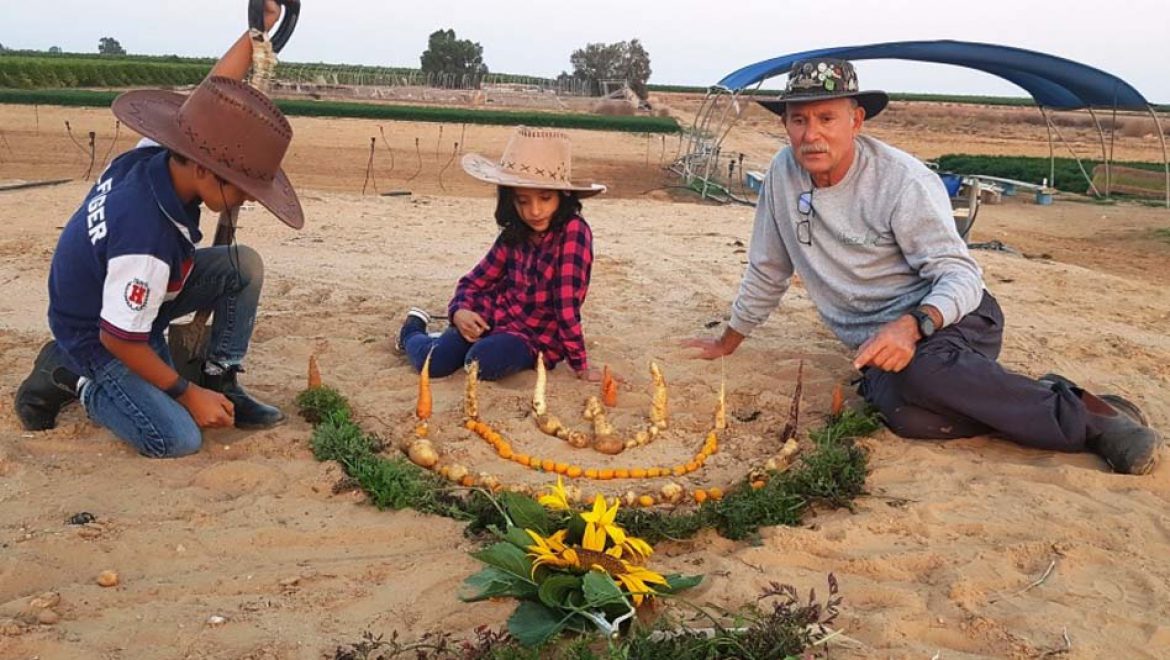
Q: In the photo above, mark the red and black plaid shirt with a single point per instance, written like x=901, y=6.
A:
x=535, y=291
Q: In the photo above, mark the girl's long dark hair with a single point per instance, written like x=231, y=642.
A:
x=513, y=231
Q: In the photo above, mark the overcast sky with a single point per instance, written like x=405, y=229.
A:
x=690, y=42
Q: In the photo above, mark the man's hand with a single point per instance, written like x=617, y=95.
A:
x=470, y=324
x=892, y=347
x=272, y=11
x=711, y=348
x=209, y=409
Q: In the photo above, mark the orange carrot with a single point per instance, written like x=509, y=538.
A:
x=314, y=373
x=424, y=390
x=608, y=388
x=838, y=401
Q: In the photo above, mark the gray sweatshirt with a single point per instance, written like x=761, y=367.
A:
x=883, y=242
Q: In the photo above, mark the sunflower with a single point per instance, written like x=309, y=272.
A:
x=590, y=556
x=599, y=524
x=551, y=550
x=636, y=578
x=557, y=498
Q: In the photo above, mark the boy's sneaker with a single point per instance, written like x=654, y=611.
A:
x=47, y=389
x=416, y=321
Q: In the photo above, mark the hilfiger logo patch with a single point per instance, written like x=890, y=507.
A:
x=137, y=294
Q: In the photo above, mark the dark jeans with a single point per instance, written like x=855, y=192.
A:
x=229, y=281
x=954, y=388
x=499, y=354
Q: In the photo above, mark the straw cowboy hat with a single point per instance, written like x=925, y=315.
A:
x=226, y=126
x=823, y=78
x=534, y=158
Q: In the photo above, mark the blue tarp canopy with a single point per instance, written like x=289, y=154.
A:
x=1053, y=82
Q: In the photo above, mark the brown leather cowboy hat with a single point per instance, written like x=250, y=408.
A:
x=534, y=158
x=226, y=126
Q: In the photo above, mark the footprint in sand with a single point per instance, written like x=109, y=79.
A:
x=233, y=480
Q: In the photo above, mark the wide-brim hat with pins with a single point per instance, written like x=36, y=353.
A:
x=226, y=126
x=534, y=158
x=823, y=78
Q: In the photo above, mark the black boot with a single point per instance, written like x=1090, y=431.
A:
x=47, y=389
x=1128, y=446
x=250, y=413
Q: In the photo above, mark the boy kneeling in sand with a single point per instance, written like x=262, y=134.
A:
x=126, y=266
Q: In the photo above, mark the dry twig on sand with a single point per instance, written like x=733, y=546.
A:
x=1035, y=583
x=790, y=426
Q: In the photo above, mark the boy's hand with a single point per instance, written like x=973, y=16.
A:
x=209, y=409
x=470, y=324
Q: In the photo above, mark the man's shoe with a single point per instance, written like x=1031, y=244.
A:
x=1128, y=446
x=416, y=320
x=250, y=413
x=46, y=390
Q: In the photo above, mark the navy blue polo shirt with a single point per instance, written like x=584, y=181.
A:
x=128, y=249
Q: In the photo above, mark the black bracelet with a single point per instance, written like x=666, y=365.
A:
x=175, y=391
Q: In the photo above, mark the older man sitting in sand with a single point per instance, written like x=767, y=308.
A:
x=869, y=230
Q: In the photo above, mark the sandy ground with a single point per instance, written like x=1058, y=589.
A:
x=938, y=560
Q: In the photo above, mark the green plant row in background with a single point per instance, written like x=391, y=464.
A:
x=57, y=72
x=306, y=108
x=32, y=70
x=35, y=70
x=1031, y=169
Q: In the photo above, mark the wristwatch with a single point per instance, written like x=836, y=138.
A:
x=925, y=322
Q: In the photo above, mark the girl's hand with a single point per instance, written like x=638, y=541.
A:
x=470, y=324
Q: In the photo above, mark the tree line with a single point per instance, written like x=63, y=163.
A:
x=595, y=64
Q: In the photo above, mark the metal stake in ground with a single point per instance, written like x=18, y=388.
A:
x=370, y=168
x=418, y=155
x=117, y=129
x=388, y=148
x=92, y=155
x=454, y=152
x=69, y=130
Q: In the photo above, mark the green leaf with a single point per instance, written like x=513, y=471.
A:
x=519, y=538
x=507, y=558
x=601, y=590
x=526, y=513
x=557, y=590
x=576, y=527
x=533, y=624
x=676, y=582
x=492, y=582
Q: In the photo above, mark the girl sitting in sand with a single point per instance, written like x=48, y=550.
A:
x=525, y=295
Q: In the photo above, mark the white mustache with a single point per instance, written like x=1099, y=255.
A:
x=818, y=148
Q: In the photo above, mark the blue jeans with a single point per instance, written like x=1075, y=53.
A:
x=226, y=279
x=499, y=354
